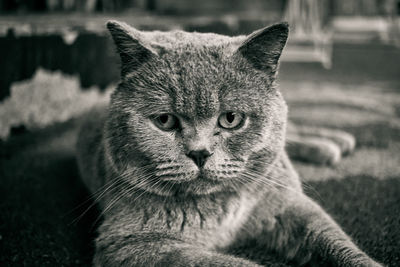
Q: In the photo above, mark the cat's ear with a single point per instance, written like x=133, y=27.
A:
x=263, y=47
x=130, y=46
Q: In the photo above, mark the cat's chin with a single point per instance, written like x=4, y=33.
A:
x=199, y=184
x=199, y=187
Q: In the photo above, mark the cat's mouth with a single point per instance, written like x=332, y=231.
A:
x=196, y=182
x=173, y=179
x=196, y=185
x=202, y=175
x=176, y=172
x=183, y=177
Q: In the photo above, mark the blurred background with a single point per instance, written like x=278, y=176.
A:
x=349, y=41
x=339, y=70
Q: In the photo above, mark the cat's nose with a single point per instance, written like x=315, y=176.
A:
x=199, y=157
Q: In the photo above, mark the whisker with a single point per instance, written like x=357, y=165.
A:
x=117, y=183
x=114, y=184
x=270, y=179
x=131, y=190
x=91, y=197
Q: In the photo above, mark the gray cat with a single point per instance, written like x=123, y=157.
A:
x=189, y=159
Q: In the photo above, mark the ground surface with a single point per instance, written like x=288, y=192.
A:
x=362, y=193
x=41, y=194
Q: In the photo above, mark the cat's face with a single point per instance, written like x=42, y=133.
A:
x=196, y=116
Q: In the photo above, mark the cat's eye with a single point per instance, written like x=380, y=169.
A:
x=231, y=120
x=166, y=122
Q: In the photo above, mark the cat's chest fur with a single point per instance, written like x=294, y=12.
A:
x=213, y=222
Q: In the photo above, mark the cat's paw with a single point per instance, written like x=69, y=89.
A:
x=371, y=263
x=318, y=145
x=365, y=263
x=203, y=258
x=313, y=149
x=345, y=141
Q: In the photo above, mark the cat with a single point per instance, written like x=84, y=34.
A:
x=188, y=160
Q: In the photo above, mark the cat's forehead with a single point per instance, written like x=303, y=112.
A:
x=196, y=76
x=199, y=83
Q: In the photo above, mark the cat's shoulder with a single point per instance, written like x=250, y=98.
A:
x=95, y=117
x=91, y=127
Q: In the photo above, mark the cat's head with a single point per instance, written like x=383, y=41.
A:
x=195, y=113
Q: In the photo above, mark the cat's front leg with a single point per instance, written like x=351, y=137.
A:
x=189, y=255
x=152, y=249
x=322, y=237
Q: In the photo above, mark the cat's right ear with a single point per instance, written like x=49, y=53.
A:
x=130, y=46
x=263, y=48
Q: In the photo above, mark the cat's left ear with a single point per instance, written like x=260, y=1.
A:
x=131, y=46
x=263, y=48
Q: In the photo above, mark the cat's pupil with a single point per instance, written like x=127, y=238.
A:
x=230, y=117
x=163, y=119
